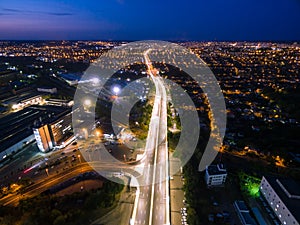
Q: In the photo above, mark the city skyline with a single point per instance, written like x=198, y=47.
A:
x=132, y=20
x=45, y=157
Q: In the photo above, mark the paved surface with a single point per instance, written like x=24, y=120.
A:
x=176, y=198
x=121, y=214
x=80, y=186
x=153, y=199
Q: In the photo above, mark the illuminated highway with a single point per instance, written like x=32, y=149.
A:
x=152, y=205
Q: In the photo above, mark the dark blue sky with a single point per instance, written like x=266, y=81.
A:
x=150, y=19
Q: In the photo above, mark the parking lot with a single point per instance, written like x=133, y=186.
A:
x=178, y=207
x=220, y=203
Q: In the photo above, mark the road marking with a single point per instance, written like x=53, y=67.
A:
x=135, y=205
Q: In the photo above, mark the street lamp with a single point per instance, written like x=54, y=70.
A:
x=79, y=157
x=98, y=133
x=116, y=90
x=85, y=133
x=95, y=80
x=87, y=102
x=47, y=171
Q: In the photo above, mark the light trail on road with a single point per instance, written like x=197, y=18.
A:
x=153, y=198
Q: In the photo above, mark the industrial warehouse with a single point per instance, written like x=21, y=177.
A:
x=17, y=129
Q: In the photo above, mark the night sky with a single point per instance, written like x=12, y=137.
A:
x=150, y=19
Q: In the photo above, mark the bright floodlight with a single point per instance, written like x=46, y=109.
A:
x=15, y=106
x=116, y=90
x=87, y=102
x=95, y=80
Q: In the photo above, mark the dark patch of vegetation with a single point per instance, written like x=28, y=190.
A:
x=139, y=119
x=194, y=180
x=78, y=208
x=288, y=100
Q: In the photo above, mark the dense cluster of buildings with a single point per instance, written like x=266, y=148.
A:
x=24, y=124
x=246, y=73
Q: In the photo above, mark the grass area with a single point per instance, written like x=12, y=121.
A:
x=193, y=181
x=139, y=119
x=77, y=208
x=173, y=137
x=194, y=187
x=249, y=185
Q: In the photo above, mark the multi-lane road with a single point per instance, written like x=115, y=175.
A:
x=152, y=202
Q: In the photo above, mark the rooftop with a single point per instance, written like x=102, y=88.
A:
x=290, y=187
x=283, y=187
x=216, y=169
x=248, y=219
x=241, y=206
x=21, y=97
x=16, y=126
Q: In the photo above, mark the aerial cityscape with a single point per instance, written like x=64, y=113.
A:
x=99, y=125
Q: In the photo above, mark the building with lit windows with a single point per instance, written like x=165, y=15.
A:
x=61, y=128
x=18, y=103
x=43, y=138
x=51, y=90
x=21, y=128
x=283, y=196
x=215, y=175
x=54, y=132
x=59, y=102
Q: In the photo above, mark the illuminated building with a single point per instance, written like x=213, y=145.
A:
x=59, y=102
x=283, y=197
x=24, y=101
x=55, y=132
x=19, y=129
x=47, y=90
x=61, y=128
x=43, y=138
x=215, y=175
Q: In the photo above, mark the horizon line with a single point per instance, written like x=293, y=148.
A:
x=132, y=40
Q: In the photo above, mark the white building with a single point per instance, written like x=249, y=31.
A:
x=59, y=102
x=215, y=175
x=47, y=90
x=283, y=196
x=27, y=101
